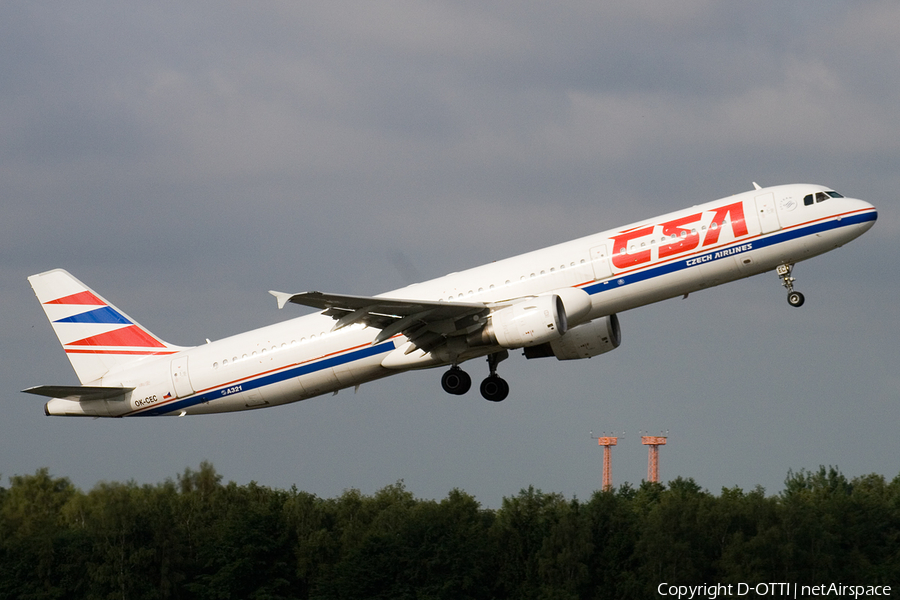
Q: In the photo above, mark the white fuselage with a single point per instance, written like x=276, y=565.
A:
x=620, y=269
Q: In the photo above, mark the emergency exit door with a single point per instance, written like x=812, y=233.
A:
x=180, y=378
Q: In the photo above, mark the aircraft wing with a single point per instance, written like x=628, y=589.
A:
x=426, y=323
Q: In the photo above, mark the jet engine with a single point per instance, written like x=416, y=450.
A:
x=582, y=341
x=531, y=322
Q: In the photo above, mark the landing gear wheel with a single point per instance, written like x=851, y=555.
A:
x=494, y=388
x=456, y=381
x=784, y=273
x=796, y=299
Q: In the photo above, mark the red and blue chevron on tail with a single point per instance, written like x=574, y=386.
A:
x=96, y=336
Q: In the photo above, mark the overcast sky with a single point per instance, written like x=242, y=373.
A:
x=183, y=158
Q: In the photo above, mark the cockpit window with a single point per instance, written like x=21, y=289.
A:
x=809, y=199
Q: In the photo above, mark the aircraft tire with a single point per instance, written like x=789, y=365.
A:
x=796, y=299
x=456, y=381
x=494, y=389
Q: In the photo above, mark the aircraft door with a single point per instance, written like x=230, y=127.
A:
x=600, y=261
x=180, y=378
x=767, y=213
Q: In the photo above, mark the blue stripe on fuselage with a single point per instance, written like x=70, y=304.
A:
x=259, y=382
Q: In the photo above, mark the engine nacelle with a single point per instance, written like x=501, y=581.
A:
x=531, y=322
x=582, y=341
x=577, y=303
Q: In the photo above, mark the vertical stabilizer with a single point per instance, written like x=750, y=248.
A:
x=96, y=335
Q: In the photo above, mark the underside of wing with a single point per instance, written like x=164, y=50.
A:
x=426, y=324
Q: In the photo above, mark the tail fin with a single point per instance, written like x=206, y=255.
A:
x=96, y=335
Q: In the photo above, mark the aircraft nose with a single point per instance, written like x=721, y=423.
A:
x=867, y=212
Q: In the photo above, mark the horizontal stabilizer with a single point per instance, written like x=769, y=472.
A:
x=79, y=393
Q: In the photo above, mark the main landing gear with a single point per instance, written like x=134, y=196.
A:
x=456, y=381
x=494, y=388
x=794, y=298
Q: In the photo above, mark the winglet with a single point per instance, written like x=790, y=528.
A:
x=282, y=298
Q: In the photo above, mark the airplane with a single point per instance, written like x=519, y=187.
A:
x=561, y=301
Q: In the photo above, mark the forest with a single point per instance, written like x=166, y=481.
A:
x=197, y=537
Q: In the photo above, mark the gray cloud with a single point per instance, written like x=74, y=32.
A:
x=183, y=159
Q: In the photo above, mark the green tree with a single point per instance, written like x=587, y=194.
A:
x=39, y=557
x=246, y=551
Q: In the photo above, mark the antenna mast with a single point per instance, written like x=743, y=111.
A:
x=654, y=442
x=606, y=442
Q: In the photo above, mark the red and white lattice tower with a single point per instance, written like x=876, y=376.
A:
x=654, y=442
x=607, y=442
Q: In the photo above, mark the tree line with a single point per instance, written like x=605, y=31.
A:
x=197, y=537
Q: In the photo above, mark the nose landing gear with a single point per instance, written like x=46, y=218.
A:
x=794, y=298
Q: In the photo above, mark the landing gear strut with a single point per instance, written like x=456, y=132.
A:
x=494, y=388
x=794, y=298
